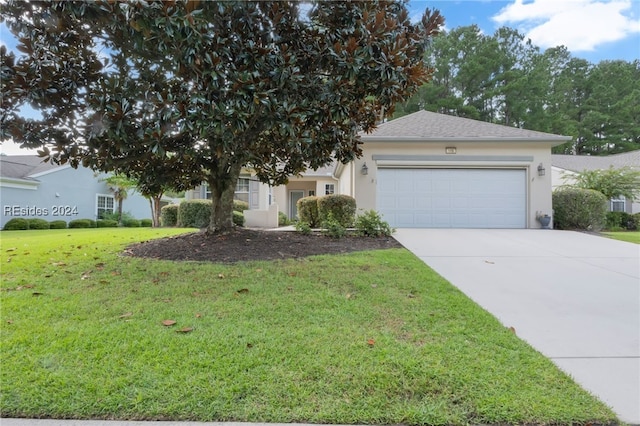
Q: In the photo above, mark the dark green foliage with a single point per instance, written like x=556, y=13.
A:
x=16, y=224
x=283, y=220
x=37, y=223
x=332, y=227
x=131, y=223
x=503, y=78
x=106, y=223
x=240, y=206
x=194, y=213
x=80, y=223
x=169, y=215
x=636, y=220
x=193, y=91
x=370, y=224
x=342, y=209
x=117, y=216
x=616, y=221
x=308, y=211
x=303, y=228
x=238, y=218
x=146, y=223
x=577, y=208
x=57, y=224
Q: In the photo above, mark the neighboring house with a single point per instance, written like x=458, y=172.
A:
x=31, y=188
x=430, y=170
x=564, y=166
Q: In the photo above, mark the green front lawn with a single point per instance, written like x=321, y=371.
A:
x=369, y=338
x=628, y=236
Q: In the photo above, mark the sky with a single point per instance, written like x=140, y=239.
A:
x=594, y=30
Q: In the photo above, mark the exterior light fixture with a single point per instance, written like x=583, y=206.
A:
x=450, y=150
x=364, y=170
x=541, y=170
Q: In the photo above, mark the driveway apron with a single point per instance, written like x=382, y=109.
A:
x=574, y=297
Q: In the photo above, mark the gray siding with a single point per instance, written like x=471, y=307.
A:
x=62, y=192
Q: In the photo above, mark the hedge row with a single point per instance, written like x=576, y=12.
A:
x=197, y=213
x=315, y=211
x=22, y=224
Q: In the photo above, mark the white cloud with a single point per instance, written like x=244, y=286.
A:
x=581, y=25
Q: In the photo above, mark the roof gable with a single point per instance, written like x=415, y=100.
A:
x=427, y=125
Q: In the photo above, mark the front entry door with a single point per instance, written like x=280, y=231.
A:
x=294, y=196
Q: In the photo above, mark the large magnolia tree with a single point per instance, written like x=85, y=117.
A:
x=182, y=92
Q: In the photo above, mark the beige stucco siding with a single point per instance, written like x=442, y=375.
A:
x=473, y=154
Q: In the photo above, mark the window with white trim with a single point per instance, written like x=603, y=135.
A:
x=618, y=204
x=329, y=188
x=242, y=190
x=241, y=193
x=105, y=204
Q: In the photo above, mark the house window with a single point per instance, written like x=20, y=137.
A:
x=241, y=193
x=242, y=190
x=105, y=205
x=329, y=188
x=618, y=204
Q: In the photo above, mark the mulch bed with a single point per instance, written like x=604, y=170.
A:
x=246, y=244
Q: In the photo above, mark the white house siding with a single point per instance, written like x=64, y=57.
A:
x=62, y=193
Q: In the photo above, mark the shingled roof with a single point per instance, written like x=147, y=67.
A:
x=431, y=126
x=23, y=166
x=578, y=163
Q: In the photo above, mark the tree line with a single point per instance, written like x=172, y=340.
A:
x=504, y=79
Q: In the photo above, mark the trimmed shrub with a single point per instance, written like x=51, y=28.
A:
x=577, y=208
x=303, y=228
x=283, y=220
x=16, y=224
x=341, y=207
x=92, y=223
x=80, y=223
x=169, y=215
x=333, y=227
x=36, y=223
x=617, y=221
x=146, y=223
x=106, y=223
x=57, y=224
x=131, y=223
x=636, y=220
x=194, y=213
x=370, y=224
x=308, y=211
x=240, y=206
x=238, y=218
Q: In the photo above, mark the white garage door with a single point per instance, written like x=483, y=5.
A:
x=452, y=198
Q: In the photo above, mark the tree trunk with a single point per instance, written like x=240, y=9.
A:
x=222, y=187
x=119, y=211
x=154, y=204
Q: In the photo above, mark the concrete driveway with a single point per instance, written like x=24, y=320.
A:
x=574, y=297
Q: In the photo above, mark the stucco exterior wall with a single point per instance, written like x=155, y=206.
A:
x=476, y=154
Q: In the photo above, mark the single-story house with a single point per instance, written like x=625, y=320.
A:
x=564, y=166
x=432, y=170
x=31, y=188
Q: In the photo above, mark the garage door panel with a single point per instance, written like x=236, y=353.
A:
x=452, y=198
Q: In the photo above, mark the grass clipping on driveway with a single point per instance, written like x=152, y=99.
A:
x=372, y=337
